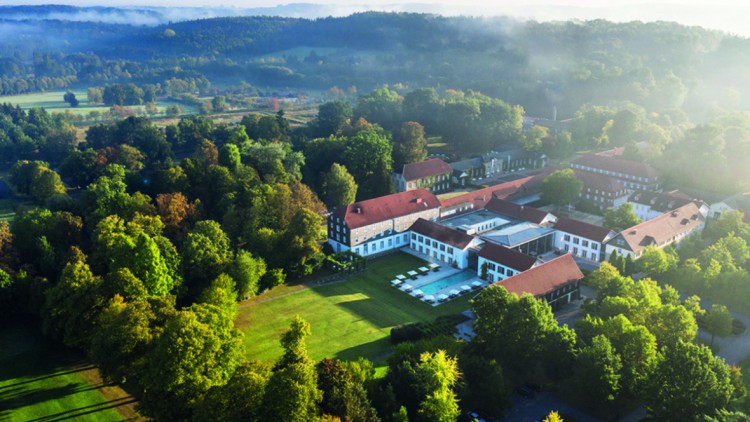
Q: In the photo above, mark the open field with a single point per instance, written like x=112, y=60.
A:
x=40, y=382
x=53, y=102
x=348, y=319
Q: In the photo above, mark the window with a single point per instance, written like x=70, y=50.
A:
x=593, y=256
x=390, y=241
x=382, y=244
x=434, y=244
x=575, y=251
x=566, y=248
x=501, y=270
x=491, y=266
x=567, y=238
x=594, y=246
x=442, y=248
x=585, y=243
x=576, y=240
x=413, y=236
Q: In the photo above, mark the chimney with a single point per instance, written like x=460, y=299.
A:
x=554, y=113
x=418, y=200
x=358, y=209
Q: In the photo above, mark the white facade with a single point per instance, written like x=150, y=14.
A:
x=377, y=237
x=719, y=208
x=578, y=246
x=495, y=271
x=644, y=211
x=442, y=252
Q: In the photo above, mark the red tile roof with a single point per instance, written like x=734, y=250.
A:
x=521, y=212
x=441, y=233
x=544, y=278
x=506, y=256
x=481, y=197
x=375, y=210
x=617, y=165
x=614, y=152
x=582, y=229
x=427, y=168
x=601, y=182
x=662, y=229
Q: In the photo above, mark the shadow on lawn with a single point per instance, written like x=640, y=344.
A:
x=372, y=311
x=39, y=369
x=86, y=410
x=374, y=350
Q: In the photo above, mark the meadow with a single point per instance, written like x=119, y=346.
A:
x=41, y=381
x=52, y=101
x=348, y=319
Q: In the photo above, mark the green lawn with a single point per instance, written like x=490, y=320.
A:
x=41, y=383
x=348, y=319
x=53, y=102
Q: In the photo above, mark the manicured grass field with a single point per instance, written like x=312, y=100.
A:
x=348, y=319
x=38, y=382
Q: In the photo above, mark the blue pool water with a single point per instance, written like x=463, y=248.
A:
x=456, y=279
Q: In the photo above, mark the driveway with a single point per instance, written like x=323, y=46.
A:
x=569, y=313
x=538, y=407
x=734, y=349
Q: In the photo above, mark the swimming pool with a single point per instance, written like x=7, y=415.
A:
x=454, y=280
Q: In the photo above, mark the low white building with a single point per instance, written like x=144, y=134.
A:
x=442, y=243
x=666, y=229
x=380, y=224
x=739, y=202
x=581, y=239
x=501, y=262
x=648, y=205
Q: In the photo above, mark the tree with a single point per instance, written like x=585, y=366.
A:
x=292, y=393
x=621, y=218
x=331, y=118
x=199, y=349
x=126, y=332
x=437, y=374
x=247, y=272
x=70, y=98
x=94, y=95
x=553, y=417
x=206, y=253
x=718, y=322
x=229, y=157
x=240, y=399
x=35, y=178
x=339, y=187
x=73, y=305
x=561, y=187
x=344, y=396
x=598, y=371
x=410, y=145
x=272, y=278
x=368, y=158
x=653, y=261
x=689, y=381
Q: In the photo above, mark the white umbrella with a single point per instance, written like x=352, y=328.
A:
x=407, y=287
x=477, y=284
x=395, y=282
x=401, y=277
x=465, y=288
x=429, y=298
x=453, y=293
x=441, y=298
x=418, y=293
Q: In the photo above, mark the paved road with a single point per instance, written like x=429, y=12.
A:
x=538, y=407
x=734, y=349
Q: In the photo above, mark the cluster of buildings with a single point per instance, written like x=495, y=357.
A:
x=494, y=231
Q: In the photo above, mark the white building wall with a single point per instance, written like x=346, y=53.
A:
x=717, y=209
x=578, y=246
x=440, y=251
x=495, y=271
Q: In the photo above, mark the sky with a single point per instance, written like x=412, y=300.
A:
x=725, y=15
